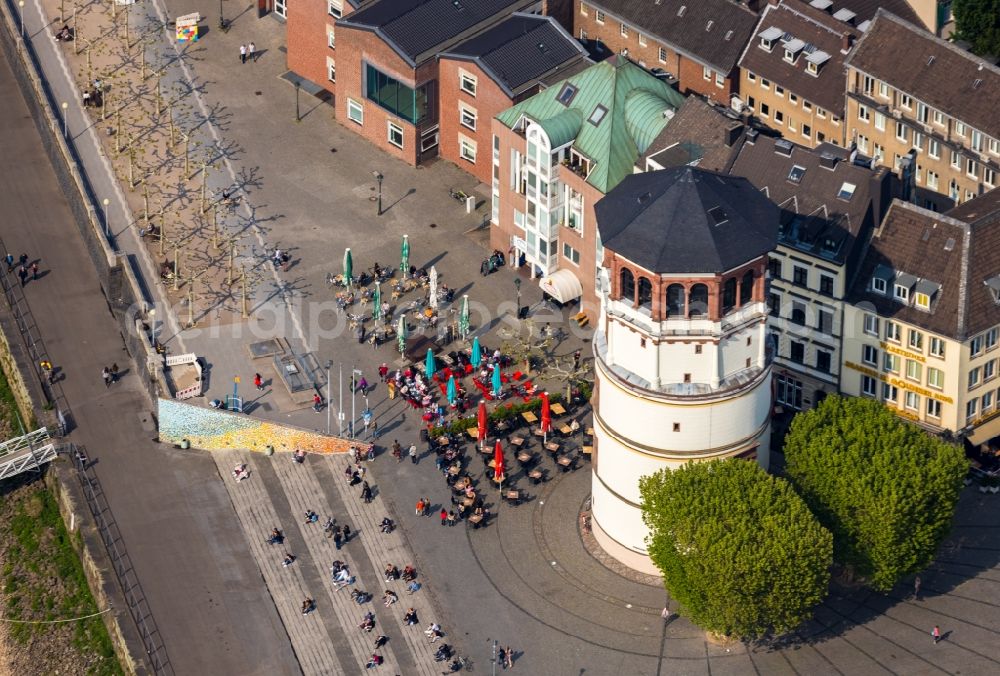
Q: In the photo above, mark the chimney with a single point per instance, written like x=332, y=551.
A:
x=733, y=135
x=846, y=42
x=752, y=136
x=828, y=161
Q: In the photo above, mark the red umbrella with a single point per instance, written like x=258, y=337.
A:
x=481, y=437
x=546, y=414
x=498, y=463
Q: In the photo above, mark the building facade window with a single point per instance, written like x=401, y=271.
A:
x=890, y=393
x=936, y=347
x=869, y=355
x=394, y=96
x=788, y=391
x=335, y=8
x=467, y=116
x=914, y=370
x=974, y=377
x=868, y=385
x=933, y=408
x=570, y=254
x=871, y=323
x=355, y=111
x=892, y=332
x=395, y=134
x=915, y=339
x=468, y=83
x=935, y=378
x=467, y=148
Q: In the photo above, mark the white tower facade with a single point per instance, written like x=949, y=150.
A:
x=682, y=366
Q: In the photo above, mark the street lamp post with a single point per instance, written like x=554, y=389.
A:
x=222, y=19
x=378, y=177
x=65, y=126
x=20, y=11
x=354, y=390
x=152, y=326
x=517, y=285
x=340, y=402
x=298, y=85
x=329, y=363
x=107, y=226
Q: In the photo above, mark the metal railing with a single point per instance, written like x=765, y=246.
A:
x=107, y=528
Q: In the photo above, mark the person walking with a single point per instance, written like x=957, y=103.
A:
x=10, y=262
x=366, y=492
x=444, y=516
x=420, y=507
x=936, y=634
x=258, y=381
x=243, y=53
x=391, y=387
x=47, y=369
x=397, y=450
x=114, y=372
x=916, y=587
x=338, y=537
x=427, y=507
x=23, y=274
x=317, y=402
x=106, y=375
x=451, y=517
x=23, y=260
x=508, y=661
x=576, y=359
x=34, y=271
x=252, y=52
x=363, y=386
x=347, y=533
x=413, y=453
x=374, y=429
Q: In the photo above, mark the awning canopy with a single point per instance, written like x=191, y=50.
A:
x=562, y=285
x=985, y=432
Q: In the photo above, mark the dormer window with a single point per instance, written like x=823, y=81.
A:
x=879, y=285
x=922, y=301
x=815, y=61
x=792, y=49
x=924, y=293
x=900, y=292
x=812, y=68
x=767, y=37
x=901, y=287
x=766, y=44
x=881, y=278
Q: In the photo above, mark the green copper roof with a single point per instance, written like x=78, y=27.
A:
x=635, y=102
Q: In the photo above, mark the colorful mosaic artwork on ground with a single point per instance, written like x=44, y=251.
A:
x=210, y=429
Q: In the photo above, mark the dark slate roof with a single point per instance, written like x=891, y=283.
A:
x=813, y=218
x=711, y=31
x=698, y=134
x=959, y=256
x=687, y=220
x=420, y=29
x=865, y=10
x=987, y=204
x=520, y=50
x=821, y=33
x=934, y=71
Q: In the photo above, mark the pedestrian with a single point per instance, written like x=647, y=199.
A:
x=363, y=386
x=114, y=372
x=444, y=516
x=427, y=507
x=439, y=463
x=243, y=53
x=258, y=382
x=410, y=617
x=397, y=450
x=366, y=492
x=106, y=374
x=317, y=402
x=391, y=386
x=383, y=372
x=252, y=52
x=916, y=587
x=23, y=274
x=10, y=262
x=47, y=369
x=576, y=359
x=23, y=260
x=413, y=453
x=288, y=560
x=936, y=634
x=451, y=517
x=374, y=436
x=501, y=657
x=347, y=533
x=508, y=661
x=420, y=507
x=34, y=271
x=338, y=537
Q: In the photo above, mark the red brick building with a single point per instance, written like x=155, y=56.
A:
x=696, y=42
x=312, y=38
x=492, y=71
x=386, y=73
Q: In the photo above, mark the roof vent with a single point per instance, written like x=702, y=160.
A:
x=978, y=81
x=681, y=11
x=752, y=135
x=643, y=198
x=950, y=244
x=828, y=161
x=457, y=4
x=783, y=147
x=930, y=59
x=729, y=36
x=708, y=26
x=718, y=215
x=926, y=236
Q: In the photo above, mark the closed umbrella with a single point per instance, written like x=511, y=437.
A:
x=377, y=303
x=463, y=318
x=452, y=391
x=429, y=364
x=434, y=286
x=481, y=420
x=404, y=255
x=546, y=417
x=498, y=464
x=496, y=380
x=477, y=353
x=348, y=267
x=401, y=334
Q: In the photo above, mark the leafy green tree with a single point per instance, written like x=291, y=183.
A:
x=738, y=549
x=978, y=23
x=886, y=489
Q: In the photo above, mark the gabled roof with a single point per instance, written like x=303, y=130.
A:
x=710, y=31
x=687, y=220
x=808, y=31
x=864, y=10
x=933, y=71
x=962, y=257
x=519, y=51
x=419, y=29
x=700, y=135
x=814, y=217
x=637, y=107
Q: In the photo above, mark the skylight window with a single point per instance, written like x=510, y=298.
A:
x=598, y=115
x=566, y=94
x=846, y=191
x=718, y=215
x=796, y=174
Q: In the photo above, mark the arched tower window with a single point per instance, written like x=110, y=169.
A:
x=675, y=300
x=746, y=287
x=645, y=293
x=728, y=295
x=627, y=286
x=698, y=301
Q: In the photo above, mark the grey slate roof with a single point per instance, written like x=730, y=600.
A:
x=687, y=220
x=419, y=29
x=711, y=31
x=519, y=50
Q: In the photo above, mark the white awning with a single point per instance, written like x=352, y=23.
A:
x=562, y=285
x=985, y=432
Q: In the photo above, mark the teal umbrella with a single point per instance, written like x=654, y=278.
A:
x=377, y=303
x=452, y=390
x=429, y=364
x=463, y=318
x=348, y=267
x=477, y=353
x=404, y=255
x=496, y=380
x=401, y=334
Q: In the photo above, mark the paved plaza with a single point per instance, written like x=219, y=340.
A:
x=221, y=597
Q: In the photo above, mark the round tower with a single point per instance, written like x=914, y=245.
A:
x=682, y=368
